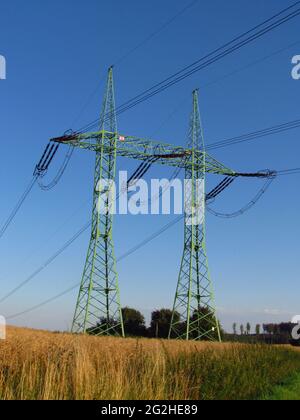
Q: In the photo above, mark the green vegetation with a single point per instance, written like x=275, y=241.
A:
x=135, y=325
x=289, y=390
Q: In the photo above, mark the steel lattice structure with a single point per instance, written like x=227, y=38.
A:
x=98, y=305
x=98, y=308
x=194, y=300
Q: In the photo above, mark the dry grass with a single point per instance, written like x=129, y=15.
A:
x=43, y=365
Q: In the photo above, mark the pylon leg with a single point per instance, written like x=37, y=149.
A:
x=194, y=315
x=98, y=310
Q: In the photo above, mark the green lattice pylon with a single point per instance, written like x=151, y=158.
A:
x=98, y=309
x=194, y=315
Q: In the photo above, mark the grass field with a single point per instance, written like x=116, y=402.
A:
x=289, y=390
x=44, y=365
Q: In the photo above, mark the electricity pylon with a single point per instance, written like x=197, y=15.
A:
x=98, y=308
x=194, y=315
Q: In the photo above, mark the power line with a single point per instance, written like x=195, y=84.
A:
x=49, y=187
x=248, y=206
x=151, y=238
x=46, y=302
x=124, y=256
x=41, y=167
x=85, y=227
x=60, y=172
x=48, y=262
x=134, y=49
x=251, y=64
x=206, y=61
x=179, y=76
x=294, y=171
x=286, y=126
x=154, y=34
x=203, y=66
x=216, y=191
x=17, y=207
x=162, y=86
x=44, y=187
x=257, y=197
x=170, y=81
x=69, y=154
x=157, y=234
x=276, y=129
x=69, y=242
x=79, y=233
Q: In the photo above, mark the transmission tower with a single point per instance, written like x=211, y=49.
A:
x=194, y=315
x=98, y=308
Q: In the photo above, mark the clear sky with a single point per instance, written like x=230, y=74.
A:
x=57, y=56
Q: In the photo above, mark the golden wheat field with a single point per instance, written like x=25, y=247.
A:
x=53, y=366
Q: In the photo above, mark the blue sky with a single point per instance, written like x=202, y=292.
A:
x=57, y=56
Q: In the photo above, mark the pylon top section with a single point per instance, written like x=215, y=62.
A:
x=196, y=138
x=108, y=118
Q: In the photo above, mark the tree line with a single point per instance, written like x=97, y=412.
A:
x=135, y=323
x=267, y=333
x=135, y=326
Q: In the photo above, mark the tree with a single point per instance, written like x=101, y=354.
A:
x=242, y=329
x=248, y=328
x=134, y=322
x=105, y=328
x=161, y=321
x=234, y=327
x=270, y=328
x=286, y=328
x=206, y=328
x=257, y=329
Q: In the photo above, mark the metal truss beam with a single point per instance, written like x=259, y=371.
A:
x=141, y=149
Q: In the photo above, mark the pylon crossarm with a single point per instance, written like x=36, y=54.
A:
x=142, y=149
x=212, y=166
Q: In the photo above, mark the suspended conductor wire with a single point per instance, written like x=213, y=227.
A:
x=79, y=233
x=124, y=256
x=189, y=70
x=158, y=31
x=53, y=257
x=43, y=165
x=221, y=52
x=60, y=173
x=18, y=206
x=276, y=129
x=69, y=154
x=47, y=263
x=294, y=171
x=248, y=206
